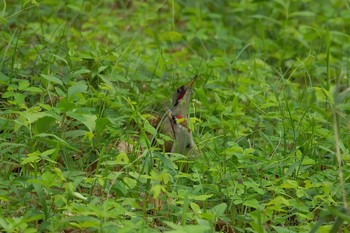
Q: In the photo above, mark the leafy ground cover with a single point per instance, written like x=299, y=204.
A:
x=79, y=80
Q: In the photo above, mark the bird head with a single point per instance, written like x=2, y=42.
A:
x=181, y=98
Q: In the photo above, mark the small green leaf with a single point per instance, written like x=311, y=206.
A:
x=48, y=152
x=149, y=128
x=19, y=99
x=195, y=207
x=308, y=161
x=2, y=21
x=188, y=228
x=122, y=158
x=89, y=135
x=165, y=177
x=8, y=94
x=200, y=197
x=31, y=157
x=156, y=189
x=79, y=196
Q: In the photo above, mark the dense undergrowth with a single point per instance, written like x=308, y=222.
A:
x=79, y=80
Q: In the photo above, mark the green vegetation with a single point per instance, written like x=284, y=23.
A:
x=269, y=112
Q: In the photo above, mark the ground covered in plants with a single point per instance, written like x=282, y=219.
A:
x=83, y=84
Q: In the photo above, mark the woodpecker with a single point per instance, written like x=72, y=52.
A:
x=175, y=123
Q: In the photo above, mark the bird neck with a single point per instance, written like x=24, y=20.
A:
x=181, y=109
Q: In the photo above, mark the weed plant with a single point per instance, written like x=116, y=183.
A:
x=82, y=84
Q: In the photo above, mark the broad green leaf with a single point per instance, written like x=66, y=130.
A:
x=101, y=124
x=200, y=197
x=43, y=124
x=300, y=205
x=30, y=160
x=51, y=78
x=253, y=203
x=60, y=58
x=166, y=161
x=66, y=105
x=78, y=87
x=7, y=94
x=171, y=36
x=78, y=220
x=31, y=157
x=34, y=116
x=120, y=78
x=102, y=68
x=23, y=84
x=19, y=99
x=288, y=184
x=308, y=161
x=80, y=72
x=33, y=89
x=48, y=152
x=131, y=183
x=279, y=229
x=278, y=203
x=57, y=139
x=88, y=120
x=76, y=133
x=60, y=92
x=252, y=184
x=182, y=194
x=219, y=209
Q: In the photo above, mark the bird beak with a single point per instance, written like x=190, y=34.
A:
x=183, y=91
x=190, y=84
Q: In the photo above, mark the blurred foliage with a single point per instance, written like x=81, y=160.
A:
x=81, y=80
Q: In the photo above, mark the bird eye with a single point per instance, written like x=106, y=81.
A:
x=180, y=89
